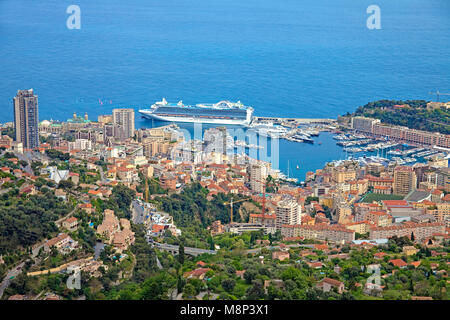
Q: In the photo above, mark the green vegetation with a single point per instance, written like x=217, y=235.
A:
x=86, y=176
x=153, y=288
x=370, y=197
x=416, y=116
x=25, y=221
x=191, y=207
x=119, y=201
x=193, y=213
x=55, y=154
x=145, y=255
x=9, y=131
x=154, y=187
x=310, y=199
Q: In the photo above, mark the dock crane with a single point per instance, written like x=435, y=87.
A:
x=437, y=93
x=231, y=202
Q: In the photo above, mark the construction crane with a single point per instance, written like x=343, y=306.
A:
x=231, y=202
x=263, y=208
x=146, y=193
x=437, y=93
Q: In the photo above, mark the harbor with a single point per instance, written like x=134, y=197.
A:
x=298, y=140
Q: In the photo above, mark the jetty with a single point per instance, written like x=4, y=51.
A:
x=290, y=122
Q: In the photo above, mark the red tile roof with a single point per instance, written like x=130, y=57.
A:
x=398, y=263
x=332, y=282
x=380, y=254
x=395, y=202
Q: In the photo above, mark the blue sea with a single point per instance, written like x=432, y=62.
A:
x=288, y=58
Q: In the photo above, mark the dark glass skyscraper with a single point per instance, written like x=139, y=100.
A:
x=26, y=118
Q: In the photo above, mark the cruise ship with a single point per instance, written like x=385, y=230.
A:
x=223, y=112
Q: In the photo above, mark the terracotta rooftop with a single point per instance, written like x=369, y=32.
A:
x=332, y=282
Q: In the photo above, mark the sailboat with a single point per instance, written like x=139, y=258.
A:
x=298, y=167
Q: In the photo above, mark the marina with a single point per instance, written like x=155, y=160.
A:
x=310, y=144
x=357, y=147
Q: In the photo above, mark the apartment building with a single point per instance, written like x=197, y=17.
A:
x=363, y=124
x=124, y=119
x=258, y=174
x=288, y=212
x=404, y=134
x=26, y=118
x=336, y=233
x=269, y=221
x=343, y=174
x=405, y=180
x=441, y=211
x=360, y=227
x=420, y=230
x=379, y=218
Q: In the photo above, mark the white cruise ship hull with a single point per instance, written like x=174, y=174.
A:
x=150, y=115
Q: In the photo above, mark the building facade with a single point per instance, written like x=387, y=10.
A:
x=405, y=180
x=336, y=233
x=26, y=118
x=420, y=230
x=124, y=120
x=258, y=173
x=288, y=212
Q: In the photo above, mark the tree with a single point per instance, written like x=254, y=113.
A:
x=309, y=199
x=181, y=282
x=230, y=269
x=155, y=288
x=26, y=222
x=122, y=197
x=250, y=275
x=56, y=154
x=211, y=243
x=189, y=291
x=347, y=296
x=412, y=236
x=65, y=184
x=23, y=163
x=181, y=254
x=228, y=284
x=256, y=292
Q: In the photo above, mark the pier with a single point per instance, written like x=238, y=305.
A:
x=295, y=121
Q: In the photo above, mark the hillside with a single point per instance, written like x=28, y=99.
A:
x=413, y=114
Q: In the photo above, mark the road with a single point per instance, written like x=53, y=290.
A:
x=102, y=174
x=11, y=274
x=99, y=246
x=257, y=250
x=36, y=249
x=187, y=250
x=138, y=212
x=14, y=272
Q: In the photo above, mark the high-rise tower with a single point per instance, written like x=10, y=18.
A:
x=26, y=118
